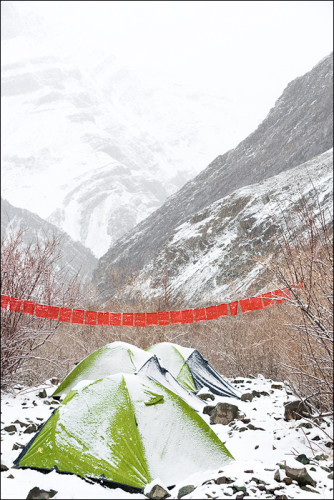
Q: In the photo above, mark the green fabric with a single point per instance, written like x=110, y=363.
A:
x=185, y=378
x=71, y=453
x=77, y=371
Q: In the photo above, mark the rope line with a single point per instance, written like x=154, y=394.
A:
x=142, y=319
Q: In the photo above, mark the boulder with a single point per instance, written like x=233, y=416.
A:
x=295, y=410
x=38, y=494
x=224, y=413
x=185, y=490
x=42, y=394
x=21, y=424
x=247, y=396
x=10, y=428
x=205, y=396
x=30, y=429
x=300, y=475
x=207, y=410
x=156, y=491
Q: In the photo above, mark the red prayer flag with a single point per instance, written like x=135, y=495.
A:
x=245, y=305
x=65, y=315
x=187, y=316
x=53, y=312
x=15, y=304
x=175, y=317
x=4, y=301
x=255, y=303
x=42, y=311
x=115, y=319
x=163, y=318
x=28, y=307
x=103, y=318
x=199, y=314
x=222, y=310
x=78, y=317
x=211, y=312
x=266, y=300
x=233, y=307
x=139, y=319
x=127, y=319
x=90, y=317
x=152, y=319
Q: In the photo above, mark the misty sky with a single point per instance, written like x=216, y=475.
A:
x=248, y=49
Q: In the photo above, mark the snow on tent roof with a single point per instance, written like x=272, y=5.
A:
x=112, y=429
x=110, y=359
x=190, y=369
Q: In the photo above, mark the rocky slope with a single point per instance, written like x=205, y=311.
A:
x=93, y=147
x=297, y=129
x=75, y=257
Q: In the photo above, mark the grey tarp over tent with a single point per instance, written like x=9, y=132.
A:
x=191, y=369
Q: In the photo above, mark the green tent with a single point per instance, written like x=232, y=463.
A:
x=189, y=368
x=110, y=359
x=121, y=357
x=126, y=429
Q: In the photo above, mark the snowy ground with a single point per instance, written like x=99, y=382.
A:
x=256, y=452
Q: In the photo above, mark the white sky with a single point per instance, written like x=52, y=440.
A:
x=245, y=49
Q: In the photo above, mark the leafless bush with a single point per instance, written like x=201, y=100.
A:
x=307, y=347
x=32, y=272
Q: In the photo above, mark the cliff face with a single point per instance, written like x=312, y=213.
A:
x=75, y=257
x=297, y=129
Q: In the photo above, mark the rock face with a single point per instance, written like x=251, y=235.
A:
x=224, y=413
x=76, y=257
x=217, y=207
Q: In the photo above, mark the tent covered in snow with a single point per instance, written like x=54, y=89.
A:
x=122, y=357
x=190, y=369
x=125, y=429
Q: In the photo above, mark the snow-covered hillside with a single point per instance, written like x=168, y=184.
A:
x=94, y=147
x=297, y=129
x=213, y=256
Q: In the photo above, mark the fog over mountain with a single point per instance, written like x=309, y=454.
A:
x=91, y=145
x=298, y=129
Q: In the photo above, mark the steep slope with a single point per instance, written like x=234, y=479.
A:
x=297, y=129
x=217, y=254
x=75, y=257
x=90, y=145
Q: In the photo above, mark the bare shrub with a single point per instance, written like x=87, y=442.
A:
x=31, y=271
x=307, y=347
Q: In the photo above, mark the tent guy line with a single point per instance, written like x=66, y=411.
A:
x=142, y=319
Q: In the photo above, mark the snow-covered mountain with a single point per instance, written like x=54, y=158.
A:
x=93, y=147
x=76, y=258
x=212, y=223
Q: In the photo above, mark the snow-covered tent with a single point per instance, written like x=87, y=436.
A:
x=190, y=369
x=125, y=429
x=122, y=357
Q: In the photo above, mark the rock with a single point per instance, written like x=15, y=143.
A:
x=10, y=476
x=205, y=396
x=264, y=393
x=249, y=471
x=54, y=381
x=276, y=386
x=156, y=492
x=38, y=494
x=256, y=447
x=321, y=457
x=30, y=429
x=300, y=475
x=307, y=425
x=207, y=410
x=316, y=438
x=329, y=444
x=278, y=476
x=17, y=446
x=10, y=428
x=247, y=396
x=253, y=428
x=185, y=490
x=224, y=413
x=22, y=424
x=295, y=410
x=303, y=459
x=238, y=381
x=330, y=476
x=306, y=488
x=4, y=467
x=243, y=429
x=287, y=480
x=42, y=394
x=47, y=402
x=223, y=480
